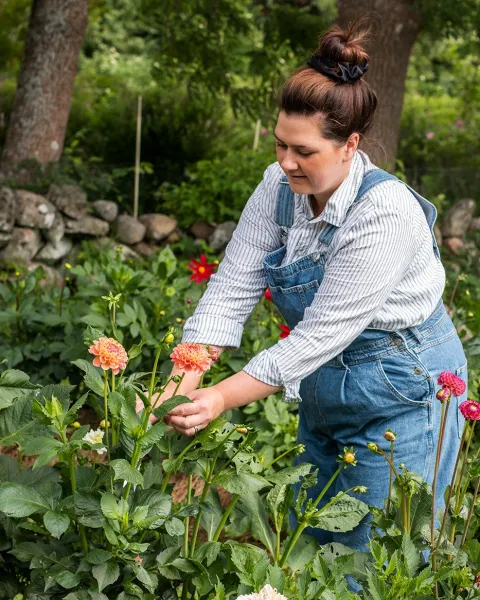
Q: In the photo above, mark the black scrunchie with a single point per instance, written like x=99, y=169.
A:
x=344, y=72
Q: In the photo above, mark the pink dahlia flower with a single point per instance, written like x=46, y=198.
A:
x=191, y=357
x=109, y=354
x=470, y=410
x=454, y=383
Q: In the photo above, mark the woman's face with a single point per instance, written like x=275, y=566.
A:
x=313, y=164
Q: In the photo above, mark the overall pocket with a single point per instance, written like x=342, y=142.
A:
x=305, y=293
x=406, y=377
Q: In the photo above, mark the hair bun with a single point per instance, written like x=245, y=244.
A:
x=344, y=45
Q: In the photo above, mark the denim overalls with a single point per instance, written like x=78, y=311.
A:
x=383, y=379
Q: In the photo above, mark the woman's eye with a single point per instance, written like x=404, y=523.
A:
x=305, y=153
x=278, y=145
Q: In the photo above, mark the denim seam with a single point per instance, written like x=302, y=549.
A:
x=416, y=349
x=296, y=288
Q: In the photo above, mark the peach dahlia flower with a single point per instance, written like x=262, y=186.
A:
x=109, y=354
x=192, y=357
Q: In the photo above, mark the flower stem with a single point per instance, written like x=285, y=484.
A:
x=390, y=484
x=452, y=485
x=304, y=522
x=196, y=526
x=470, y=513
x=280, y=457
x=179, y=457
x=187, y=518
x=443, y=419
x=460, y=493
x=225, y=516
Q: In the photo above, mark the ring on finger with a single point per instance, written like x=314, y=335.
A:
x=196, y=429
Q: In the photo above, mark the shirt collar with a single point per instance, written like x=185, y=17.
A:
x=340, y=201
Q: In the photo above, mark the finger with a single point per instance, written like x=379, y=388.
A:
x=184, y=410
x=187, y=422
x=192, y=431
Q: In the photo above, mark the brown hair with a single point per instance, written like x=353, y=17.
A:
x=344, y=108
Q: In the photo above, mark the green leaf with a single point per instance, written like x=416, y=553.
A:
x=289, y=475
x=212, y=514
x=345, y=514
x=98, y=556
x=14, y=384
x=109, y=506
x=208, y=552
x=153, y=435
x=115, y=402
x=151, y=476
x=106, y=574
x=91, y=335
x=169, y=405
x=241, y=483
x=253, y=507
x=41, y=444
x=174, y=527
x=20, y=501
x=136, y=349
x=57, y=523
x=17, y=423
x=159, y=506
x=92, y=377
x=123, y=470
x=411, y=555
x=8, y=468
x=87, y=508
x=67, y=579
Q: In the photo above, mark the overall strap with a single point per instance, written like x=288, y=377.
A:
x=371, y=179
x=285, y=210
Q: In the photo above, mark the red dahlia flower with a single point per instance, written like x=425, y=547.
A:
x=285, y=331
x=201, y=269
x=449, y=380
x=470, y=410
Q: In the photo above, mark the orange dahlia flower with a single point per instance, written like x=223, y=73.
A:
x=192, y=357
x=109, y=354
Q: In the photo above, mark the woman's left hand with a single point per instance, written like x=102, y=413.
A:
x=190, y=418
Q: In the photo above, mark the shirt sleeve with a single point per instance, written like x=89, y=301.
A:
x=359, y=276
x=239, y=283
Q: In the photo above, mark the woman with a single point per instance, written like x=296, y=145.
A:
x=351, y=261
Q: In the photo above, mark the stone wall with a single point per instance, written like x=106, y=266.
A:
x=37, y=229
x=45, y=229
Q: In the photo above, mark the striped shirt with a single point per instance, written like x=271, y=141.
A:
x=380, y=272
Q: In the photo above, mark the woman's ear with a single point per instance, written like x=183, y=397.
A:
x=351, y=146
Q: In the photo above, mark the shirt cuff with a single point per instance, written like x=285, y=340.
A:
x=264, y=367
x=205, y=329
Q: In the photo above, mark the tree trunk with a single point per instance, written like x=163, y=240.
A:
x=44, y=91
x=395, y=26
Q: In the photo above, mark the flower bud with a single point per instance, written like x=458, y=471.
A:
x=349, y=457
x=401, y=465
x=179, y=320
x=104, y=424
x=372, y=447
x=76, y=425
x=389, y=436
x=169, y=338
x=444, y=394
x=161, y=313
x=176, y=379
x=243, y=430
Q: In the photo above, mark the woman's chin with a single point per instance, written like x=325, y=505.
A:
x=299, y=185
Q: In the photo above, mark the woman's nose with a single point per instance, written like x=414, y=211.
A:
x=288, y=163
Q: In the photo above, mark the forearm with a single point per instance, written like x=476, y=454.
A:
x=241, y=389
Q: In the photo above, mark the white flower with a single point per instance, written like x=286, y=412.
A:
x=95, y=437
x=267, y=593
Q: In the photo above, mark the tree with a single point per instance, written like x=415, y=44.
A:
x=395, y=26
x=44, y=90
